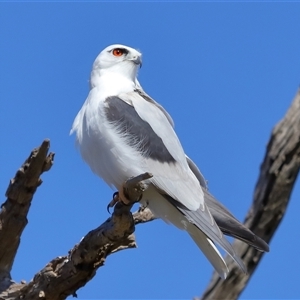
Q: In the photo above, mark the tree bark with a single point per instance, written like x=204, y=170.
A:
x=13, y=214
x=278, y=174
x=63, y=276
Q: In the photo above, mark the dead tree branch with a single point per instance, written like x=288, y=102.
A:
x=278, y=174
x=13, y=214
x=63, y=276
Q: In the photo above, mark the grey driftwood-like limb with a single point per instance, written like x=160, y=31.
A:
x=13, y=213
x=63, y=276
x=278, y=174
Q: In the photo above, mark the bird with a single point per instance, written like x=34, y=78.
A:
x=121, y=132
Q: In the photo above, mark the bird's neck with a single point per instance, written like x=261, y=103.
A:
x=111, y=83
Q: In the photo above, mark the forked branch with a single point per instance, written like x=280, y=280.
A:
x=13, y=214
x=63, y=276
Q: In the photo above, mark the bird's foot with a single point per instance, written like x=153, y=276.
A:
x=131, y=191
x=113, y=202
x=118, y=197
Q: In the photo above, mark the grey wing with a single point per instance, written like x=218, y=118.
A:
x=197, y=173
x=174, y=181
x=162, y=152
x=224, y=218
x=145, y=96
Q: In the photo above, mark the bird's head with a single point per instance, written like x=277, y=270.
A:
x=119, y=58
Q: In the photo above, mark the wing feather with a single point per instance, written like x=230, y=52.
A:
x=226, y=221
x=175, y=179
x=143, y=94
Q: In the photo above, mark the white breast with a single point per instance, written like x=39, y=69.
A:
x=105, y=151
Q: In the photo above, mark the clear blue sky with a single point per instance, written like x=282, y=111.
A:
x=226, y=72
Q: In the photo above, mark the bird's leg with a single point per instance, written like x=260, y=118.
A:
x=124, y=197
x=131, y=191
x=120, y=196
x=114, y=201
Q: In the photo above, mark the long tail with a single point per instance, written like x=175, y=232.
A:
x=223, y=217
x=231, y=226
x=209, y=250
x=204, y=235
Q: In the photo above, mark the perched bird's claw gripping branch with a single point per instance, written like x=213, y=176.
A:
x=132, y=191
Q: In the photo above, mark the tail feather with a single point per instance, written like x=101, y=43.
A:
x=209, y=250
x=228, y=224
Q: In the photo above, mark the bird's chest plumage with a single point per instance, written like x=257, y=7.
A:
x=104, y=146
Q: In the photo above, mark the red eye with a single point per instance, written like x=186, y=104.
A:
x=118, y=52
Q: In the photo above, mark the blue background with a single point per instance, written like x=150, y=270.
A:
x=226, y=72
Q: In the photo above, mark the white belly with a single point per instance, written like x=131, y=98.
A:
x=106, y=151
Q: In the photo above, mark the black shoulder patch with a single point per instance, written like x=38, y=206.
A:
x=140, y=133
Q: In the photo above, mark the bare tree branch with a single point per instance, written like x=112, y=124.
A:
x=63, y=276
x=13, y=214
x=278, y=174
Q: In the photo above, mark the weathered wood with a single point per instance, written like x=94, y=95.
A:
x=278, y=174
x=63, y=276
x=13, y=214
x=143, y=215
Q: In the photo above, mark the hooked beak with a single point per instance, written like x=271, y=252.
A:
x=137, y=60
